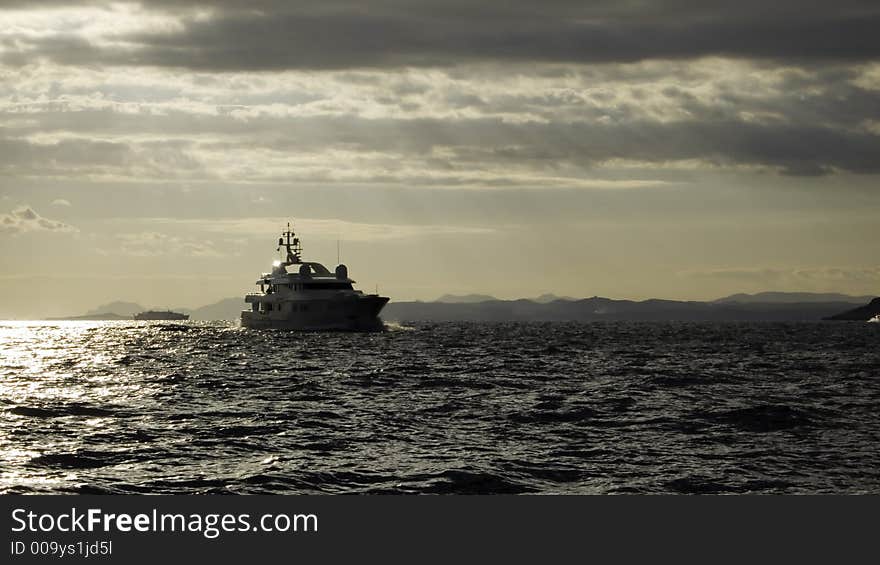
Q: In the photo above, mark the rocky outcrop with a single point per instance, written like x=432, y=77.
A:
x=862, y=313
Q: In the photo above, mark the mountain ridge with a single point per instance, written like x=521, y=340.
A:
x=464, y=298
x=118, y=307
x=793, y=297
x=599, y=309
x=548, y=307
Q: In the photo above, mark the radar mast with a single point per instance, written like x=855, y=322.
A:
x=290, y=243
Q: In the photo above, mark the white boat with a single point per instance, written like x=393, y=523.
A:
x=161, y=315
x=875, y=319
x=304, y=295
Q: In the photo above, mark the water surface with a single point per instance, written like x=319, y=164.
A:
x=136, y=407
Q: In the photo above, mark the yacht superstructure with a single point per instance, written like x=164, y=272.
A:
x=304, y=295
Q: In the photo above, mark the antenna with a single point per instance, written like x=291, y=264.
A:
x=292, y=246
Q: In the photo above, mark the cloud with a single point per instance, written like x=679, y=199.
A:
x=274, y=35
x=311, y=228
x=155, y=244
x=476, y=153
x=226, y=236
x=25, y=220
x=61, y=202
x=472, y=126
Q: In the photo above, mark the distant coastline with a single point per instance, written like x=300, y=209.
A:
x=605, y=309
x=106, y=316
x=770, y=306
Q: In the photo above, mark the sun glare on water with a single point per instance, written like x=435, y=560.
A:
x=55, y=371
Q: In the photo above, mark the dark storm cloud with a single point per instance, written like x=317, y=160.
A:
x=793, y=149
x=798, y=100
x=467, y=146
x=279, y=35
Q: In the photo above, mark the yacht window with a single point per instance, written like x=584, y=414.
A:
x=329, y=286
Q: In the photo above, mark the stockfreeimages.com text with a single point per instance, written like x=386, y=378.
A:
x=209, y=525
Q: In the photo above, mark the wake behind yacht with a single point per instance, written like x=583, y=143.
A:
x=304, y=295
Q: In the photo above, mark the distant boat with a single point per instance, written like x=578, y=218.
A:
x=161, y=315
x=304, y=295
x=875, y=319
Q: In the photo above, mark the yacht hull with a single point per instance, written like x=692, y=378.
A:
x=360, y=314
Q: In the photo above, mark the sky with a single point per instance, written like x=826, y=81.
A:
x=152, y=152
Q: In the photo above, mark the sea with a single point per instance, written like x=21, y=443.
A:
x=440, y=408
